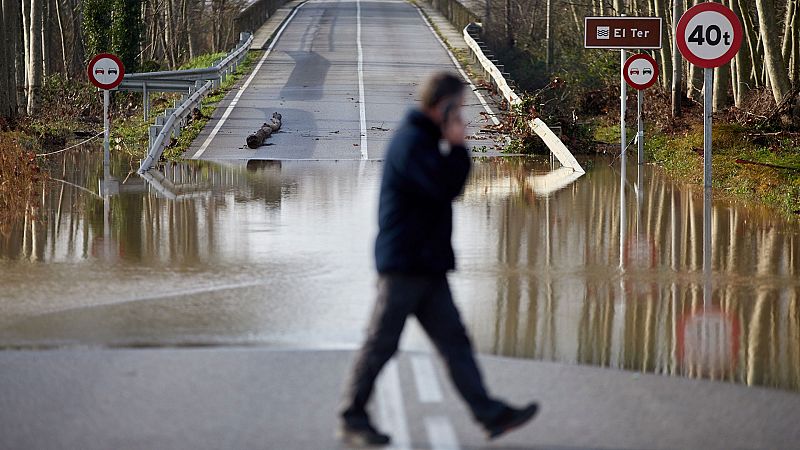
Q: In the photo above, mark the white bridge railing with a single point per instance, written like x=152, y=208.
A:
x=498, y=78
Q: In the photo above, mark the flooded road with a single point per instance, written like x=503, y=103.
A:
x=280, y=254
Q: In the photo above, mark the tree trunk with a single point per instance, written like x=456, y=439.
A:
x=62, y=36
x=665, y=53
x=751, y=42
x=773, y=61
x=722, y=81
x=619, y=7
x=35, y=70
x=795, y=66
x=26, y=35
x=576, y=20
x=507, y=28
x=21, y=61
x=548, y=63
x=742, y=64
x=677, y=61
x=11, y=17
x=46, y=34
x=4, y=57
x=786, y=50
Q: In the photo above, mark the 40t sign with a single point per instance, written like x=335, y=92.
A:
x=709, y=35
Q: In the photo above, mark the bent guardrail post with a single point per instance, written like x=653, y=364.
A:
x=561, y=152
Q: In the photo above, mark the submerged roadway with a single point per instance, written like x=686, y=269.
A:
x=342, y=74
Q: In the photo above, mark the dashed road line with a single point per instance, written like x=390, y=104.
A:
x=391, y=411
x=425, y=377
x=441, y=434
x=235, y=101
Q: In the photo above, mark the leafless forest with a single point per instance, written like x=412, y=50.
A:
x=767, y=68
x=40, y=38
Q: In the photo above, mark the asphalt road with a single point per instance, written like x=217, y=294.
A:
x=332, y=65
x=249, y=398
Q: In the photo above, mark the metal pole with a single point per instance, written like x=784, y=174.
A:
x=640, y=133
x=146, y=101
x=708, y=95
x=623, y=101
x=623, y=223
x=707, y=286
x=107, y=137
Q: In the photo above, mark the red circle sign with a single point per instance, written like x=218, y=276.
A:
x=106, y=71
x=709, y=35
x=640, y=71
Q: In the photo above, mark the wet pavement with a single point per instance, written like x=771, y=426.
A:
x=246, y=398
x=280, y=254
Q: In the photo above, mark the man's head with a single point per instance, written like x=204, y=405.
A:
x=442, y=95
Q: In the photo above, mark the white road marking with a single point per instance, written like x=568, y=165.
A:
x=441, y=434
x=362, y=107
x=391, y=412
x=232, y=105
x=425, y=377
x=486, y=107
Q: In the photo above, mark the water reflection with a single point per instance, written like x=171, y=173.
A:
x=602, y=270
x=678, y=289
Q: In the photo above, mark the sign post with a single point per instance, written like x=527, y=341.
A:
x=708, y=35
x=105, y=72
x=640, y=72
x=635, y=33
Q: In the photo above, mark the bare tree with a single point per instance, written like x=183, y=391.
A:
x=665, y=52
x=677, y=61
x=773, y=61
x=35, y=60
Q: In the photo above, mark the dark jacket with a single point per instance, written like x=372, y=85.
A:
x=415, y=215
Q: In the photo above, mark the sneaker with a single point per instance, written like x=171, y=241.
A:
x=509, y=419
x=362, y=436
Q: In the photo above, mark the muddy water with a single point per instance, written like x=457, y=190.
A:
x=279, y=253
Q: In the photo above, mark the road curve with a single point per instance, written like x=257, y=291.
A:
x=315, y=76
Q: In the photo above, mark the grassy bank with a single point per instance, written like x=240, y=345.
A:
x=747, y=164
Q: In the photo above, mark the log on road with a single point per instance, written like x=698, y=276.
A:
x=257, y=139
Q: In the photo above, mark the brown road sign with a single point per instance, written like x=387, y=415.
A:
x=623, y=32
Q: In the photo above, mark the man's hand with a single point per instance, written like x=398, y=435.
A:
x=454, y=129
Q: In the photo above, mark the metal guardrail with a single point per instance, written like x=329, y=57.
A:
x=498, y=78
x=170, y=125
x=196, y=83
x=184, y=80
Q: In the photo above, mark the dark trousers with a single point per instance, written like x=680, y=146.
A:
x=430, y=300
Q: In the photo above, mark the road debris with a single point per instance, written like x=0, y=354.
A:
x=257, y=139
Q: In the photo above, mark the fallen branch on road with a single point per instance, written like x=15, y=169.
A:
x=257, y=139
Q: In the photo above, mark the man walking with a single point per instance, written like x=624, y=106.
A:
x=413, y=255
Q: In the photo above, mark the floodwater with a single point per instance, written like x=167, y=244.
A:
x=280, y=254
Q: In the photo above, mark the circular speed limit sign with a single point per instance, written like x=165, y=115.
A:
x=709, y=35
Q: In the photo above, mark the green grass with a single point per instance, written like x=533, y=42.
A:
x=203, y=61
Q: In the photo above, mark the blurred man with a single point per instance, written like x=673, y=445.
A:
x=413, y=255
